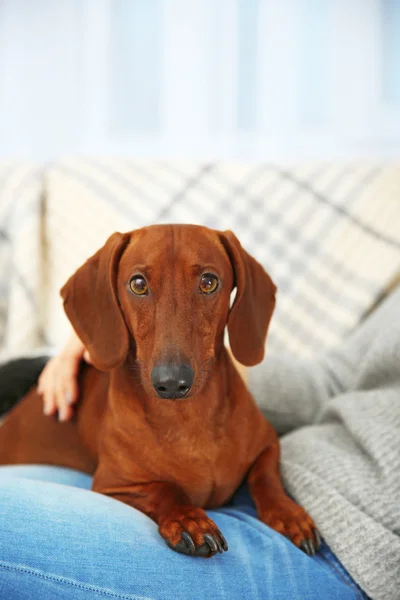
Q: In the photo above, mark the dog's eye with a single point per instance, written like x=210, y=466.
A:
x=138, y=285
x=208, y=283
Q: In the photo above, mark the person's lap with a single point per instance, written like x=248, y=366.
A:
x=60, y=540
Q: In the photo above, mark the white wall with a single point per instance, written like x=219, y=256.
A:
x=256, y=79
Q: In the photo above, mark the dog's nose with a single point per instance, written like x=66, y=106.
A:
x=172, y=381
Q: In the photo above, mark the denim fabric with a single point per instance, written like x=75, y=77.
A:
x=59, y=540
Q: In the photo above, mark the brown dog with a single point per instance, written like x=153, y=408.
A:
x=165, y=422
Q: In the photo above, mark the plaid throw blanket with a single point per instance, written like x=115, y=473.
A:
x=328, y=234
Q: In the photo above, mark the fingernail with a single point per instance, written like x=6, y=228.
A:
x=62, y=415
x=47, y=410
x=68, y=398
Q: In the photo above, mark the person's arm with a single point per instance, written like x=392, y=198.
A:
x=292, y=393
x=58, y=382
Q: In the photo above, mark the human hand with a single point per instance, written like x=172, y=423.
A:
x=58, y=382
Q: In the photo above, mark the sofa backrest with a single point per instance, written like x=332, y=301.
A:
x=22, y=268
x=328, y=234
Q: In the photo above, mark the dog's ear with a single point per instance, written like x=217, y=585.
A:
x=91, y=304
x=253, y=306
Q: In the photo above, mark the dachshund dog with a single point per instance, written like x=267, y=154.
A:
x=165, y=421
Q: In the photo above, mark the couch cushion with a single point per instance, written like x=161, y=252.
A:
x=328, y=233
x=21, y=272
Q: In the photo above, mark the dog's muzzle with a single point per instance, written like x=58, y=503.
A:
x=172, y=381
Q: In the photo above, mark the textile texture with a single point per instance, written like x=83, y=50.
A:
x=327, y=233
x=340, y=420
x=102, y=548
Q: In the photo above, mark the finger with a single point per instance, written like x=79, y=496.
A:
x=68, y=390
x=67, y=395
x=65, y=413
x=42, y=381
x=64, y=410
x=86, y=357
x=61, y=401
x=71, y=392
x=49, y=403
x=47, y=376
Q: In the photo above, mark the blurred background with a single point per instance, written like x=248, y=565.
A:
x=204, y=79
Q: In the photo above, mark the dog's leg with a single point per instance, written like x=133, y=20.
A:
x=273, y=505
x=185, y=528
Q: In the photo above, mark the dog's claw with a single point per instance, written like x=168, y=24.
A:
x=219, y=545
x=209, y=548
x=217, y=542
x=197, y=534
x=308, y=547
x=211, y=541
x=183, y=547
x=189, y=542
x=223, y=540
x=304, y=546
x=318, y=540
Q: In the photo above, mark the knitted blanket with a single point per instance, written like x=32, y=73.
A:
x=340, y=416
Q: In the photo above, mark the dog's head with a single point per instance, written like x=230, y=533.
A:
x=162, y=294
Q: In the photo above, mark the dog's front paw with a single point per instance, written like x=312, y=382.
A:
x=188, y=530
x=292, y=521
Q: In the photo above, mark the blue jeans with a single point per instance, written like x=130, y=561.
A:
x=59, y=540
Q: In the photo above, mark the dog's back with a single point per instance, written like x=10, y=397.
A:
x=27, y=436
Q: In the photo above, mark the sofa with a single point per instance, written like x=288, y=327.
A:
x=328, y=234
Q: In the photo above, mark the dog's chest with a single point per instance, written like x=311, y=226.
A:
x=208, y=468
x=207, y=459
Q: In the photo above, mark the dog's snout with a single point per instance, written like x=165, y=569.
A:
x=172, y=381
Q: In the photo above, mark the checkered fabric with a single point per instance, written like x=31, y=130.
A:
x=21, y=264
x=328, y=234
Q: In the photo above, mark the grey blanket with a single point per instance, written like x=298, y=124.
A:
x=340, y=419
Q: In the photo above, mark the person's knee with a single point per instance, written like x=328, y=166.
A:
x=48, y=473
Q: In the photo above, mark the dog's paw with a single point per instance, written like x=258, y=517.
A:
x=292, y=521
x=188, y=530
